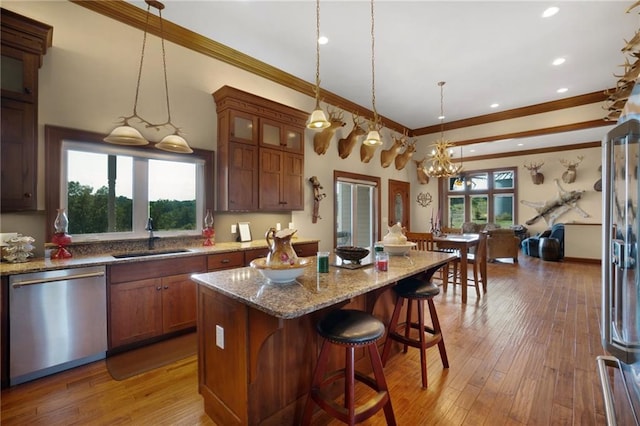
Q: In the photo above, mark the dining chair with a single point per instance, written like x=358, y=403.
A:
x=424, y=241
x=475, y=260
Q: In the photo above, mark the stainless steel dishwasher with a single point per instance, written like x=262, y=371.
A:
x=57, y=321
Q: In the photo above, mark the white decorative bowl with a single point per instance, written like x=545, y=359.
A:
x=398, y=249
x=280, y=273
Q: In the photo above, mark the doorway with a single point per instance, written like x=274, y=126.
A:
x=399, y=207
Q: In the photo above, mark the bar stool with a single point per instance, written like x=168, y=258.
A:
x=416, y=289
x=350, y=329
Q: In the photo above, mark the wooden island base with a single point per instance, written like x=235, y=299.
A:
x=264, y=371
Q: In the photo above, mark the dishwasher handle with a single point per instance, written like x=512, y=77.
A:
x=51, y=280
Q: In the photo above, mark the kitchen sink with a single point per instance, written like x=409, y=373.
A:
x=148, y=253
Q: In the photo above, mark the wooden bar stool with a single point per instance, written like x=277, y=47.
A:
x=418, y=289
x=350, y=329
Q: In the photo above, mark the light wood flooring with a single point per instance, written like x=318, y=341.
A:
x=524, y=354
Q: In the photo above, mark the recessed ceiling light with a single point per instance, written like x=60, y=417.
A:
x=472, y=150
x=494, y=105
x=441, y=117
x=323, y=40
x=550, y=12
x=562, y=90
x=520, y=144
x=558, y=61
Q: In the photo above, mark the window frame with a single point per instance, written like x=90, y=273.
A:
x=54, y=138
x=468, y=193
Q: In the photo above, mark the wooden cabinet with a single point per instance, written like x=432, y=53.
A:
x=260, y=153
x=146, y=300
x=24, y=42
x=306, y=249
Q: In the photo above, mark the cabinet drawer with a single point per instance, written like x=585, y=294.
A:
x=306, y=249
x=225, y=261
x=249, y=255
x=156, y=269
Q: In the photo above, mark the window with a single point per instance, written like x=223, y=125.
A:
x=486, y=196
x=357, y=209
x=112, y=190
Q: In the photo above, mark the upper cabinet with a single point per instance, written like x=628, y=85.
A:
x=24, y=43
x=260, y=155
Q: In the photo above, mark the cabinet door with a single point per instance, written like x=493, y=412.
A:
x=178, y=303
x=270, y=179
x=306, y=249
x=135, y=311
x=243, y=177
x=281, y=136
x=293, y=139
x=243, y=127
x=18, y=156
x=292, y=197
x=19, y=74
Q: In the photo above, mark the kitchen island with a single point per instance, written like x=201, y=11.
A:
x=257, y=344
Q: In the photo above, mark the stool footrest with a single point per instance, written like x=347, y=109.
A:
x=364, y=411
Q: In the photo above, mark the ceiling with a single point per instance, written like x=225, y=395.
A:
x=486, y=51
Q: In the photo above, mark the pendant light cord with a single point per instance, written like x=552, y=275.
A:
x=373, y=67
x=317, y=88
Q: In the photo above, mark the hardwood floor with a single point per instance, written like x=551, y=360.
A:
x=524, y=354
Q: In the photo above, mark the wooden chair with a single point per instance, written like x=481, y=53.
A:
x=475, y=260
x=424, y=241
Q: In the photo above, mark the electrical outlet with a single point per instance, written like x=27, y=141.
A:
x=234, y=228
x=219, y=337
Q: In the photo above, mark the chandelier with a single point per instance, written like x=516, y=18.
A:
x=440, y=163
x=125, y=134
x=317, y=119
x=373, y=137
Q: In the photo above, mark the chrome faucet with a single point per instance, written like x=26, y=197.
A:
x=152, y=238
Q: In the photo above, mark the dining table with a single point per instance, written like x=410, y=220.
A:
x=462, y=243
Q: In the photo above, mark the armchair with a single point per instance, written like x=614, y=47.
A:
x=502, y=243
x=530, y=246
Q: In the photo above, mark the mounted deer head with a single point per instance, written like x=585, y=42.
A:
x=536, y=177
x=569, y=176
x=345, y=145
x=388, y=155
x=402, y=159
x=367, y=151
x=321, y=140
x=421, y=165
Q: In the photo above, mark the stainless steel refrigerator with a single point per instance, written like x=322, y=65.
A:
x=620, y=328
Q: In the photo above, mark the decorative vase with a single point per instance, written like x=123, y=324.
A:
x=281, y=253
x=208, y=232
x=60, y=237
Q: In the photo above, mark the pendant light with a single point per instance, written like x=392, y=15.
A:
x=441, y=164
x=317, y=119
x=373, y=137
x=128, y=135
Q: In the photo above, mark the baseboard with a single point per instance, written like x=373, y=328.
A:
x=581, y=260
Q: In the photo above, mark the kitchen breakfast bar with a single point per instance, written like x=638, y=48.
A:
x=257, y=343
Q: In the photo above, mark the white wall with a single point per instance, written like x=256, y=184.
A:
x=88, y=80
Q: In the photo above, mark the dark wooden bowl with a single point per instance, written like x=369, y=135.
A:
x=351, y=253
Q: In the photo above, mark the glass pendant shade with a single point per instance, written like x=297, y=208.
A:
x=126, y=135
x=373, y=138
x=318, y=120
x=174, y=143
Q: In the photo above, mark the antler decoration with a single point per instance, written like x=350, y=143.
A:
x=317, y=197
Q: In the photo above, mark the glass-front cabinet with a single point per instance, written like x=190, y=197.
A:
x=278, y=135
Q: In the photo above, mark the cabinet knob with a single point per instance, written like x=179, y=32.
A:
x=158, y=288
x=27, y=195
x=225, y=261
x=28, y=91
x=166, y=287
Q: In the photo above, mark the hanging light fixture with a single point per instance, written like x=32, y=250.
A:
x=128, y=135
x=318, y=119
x=373, y=137
x=441, y=164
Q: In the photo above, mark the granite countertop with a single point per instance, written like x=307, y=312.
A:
x=78, y=261
x=312, y=290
